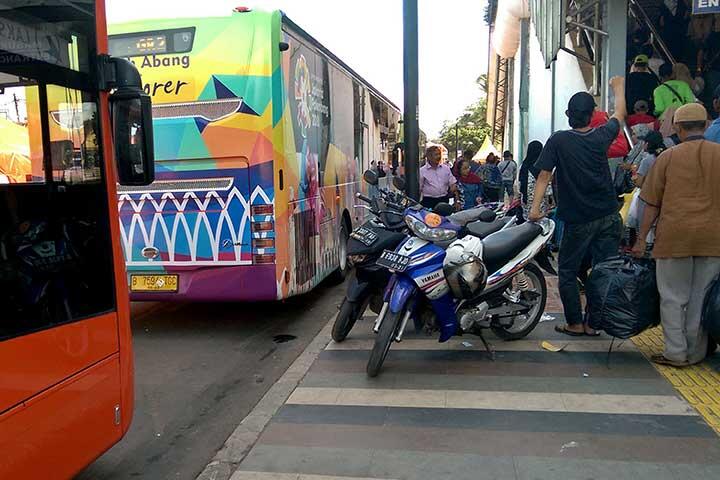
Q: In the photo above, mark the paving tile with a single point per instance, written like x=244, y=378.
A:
x=306, y=460
x=505, y=400
x=503, y=420
x=628, y=404
x=534, y=468
x=579, y=384
x=475, y=441
x=410, y=465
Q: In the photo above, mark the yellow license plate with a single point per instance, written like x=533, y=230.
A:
x=153, y=283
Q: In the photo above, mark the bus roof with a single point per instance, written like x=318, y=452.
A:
x=156, y=24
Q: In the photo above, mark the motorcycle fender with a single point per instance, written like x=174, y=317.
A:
x=444, y=308
x=357, y=290
x=402, y=291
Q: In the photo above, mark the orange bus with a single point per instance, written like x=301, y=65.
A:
x=66, y=370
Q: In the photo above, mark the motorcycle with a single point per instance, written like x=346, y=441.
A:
x=385, y=231
x=462, y=284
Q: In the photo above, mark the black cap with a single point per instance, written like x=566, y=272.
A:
x=581, y=102
x=507, y=154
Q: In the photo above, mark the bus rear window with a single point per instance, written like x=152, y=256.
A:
x=179, y=40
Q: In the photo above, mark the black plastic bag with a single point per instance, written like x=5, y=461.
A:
x=711, y=310
x=622, y=296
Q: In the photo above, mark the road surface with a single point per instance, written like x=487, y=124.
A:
x=199, y=369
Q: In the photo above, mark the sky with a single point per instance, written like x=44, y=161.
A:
x=367, y=35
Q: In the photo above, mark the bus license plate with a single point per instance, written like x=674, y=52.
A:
x=364, y=235
x=393, y=261
x=153, y=283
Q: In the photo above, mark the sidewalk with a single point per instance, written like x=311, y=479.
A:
x=447, y=411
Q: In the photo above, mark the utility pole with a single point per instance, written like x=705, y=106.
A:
x=411, y=113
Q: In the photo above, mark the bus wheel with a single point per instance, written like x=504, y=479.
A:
x=343, y=270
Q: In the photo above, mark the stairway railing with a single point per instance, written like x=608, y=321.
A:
x=637, y=11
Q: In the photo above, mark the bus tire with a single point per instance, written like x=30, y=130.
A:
x=343, y=270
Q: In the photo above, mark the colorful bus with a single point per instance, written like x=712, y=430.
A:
x=66, y=363
x=261, y=137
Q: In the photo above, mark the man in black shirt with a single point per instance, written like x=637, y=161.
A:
x=587, y=201
x=641, y=83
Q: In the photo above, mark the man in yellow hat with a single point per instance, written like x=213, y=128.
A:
x=682, y=192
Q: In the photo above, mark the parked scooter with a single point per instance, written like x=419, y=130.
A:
x=476, y=284
x=385, y=231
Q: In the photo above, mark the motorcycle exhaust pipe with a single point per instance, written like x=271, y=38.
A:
x=380, y=317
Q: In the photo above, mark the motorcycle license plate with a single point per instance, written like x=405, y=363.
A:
x=393, y=261
x=153, y=283
x=364, y=235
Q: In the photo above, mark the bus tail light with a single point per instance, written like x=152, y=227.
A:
x=263, y=226
x=263, y=258
x=263, y=242
x=262, y=209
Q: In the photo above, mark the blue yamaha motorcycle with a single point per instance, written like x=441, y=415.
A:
x=510, y=299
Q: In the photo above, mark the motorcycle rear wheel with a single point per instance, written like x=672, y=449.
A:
x=536, y=277
x=385, y=337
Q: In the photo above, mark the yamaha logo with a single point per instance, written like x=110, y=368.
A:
x=150, y=253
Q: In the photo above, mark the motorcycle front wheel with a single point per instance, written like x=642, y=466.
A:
x=385, y=337
x=346, y=318
x=526, y=323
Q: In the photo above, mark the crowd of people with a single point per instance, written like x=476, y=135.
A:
x=468, y=183
x=673, y=170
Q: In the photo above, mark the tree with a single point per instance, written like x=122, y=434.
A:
x=472, y=127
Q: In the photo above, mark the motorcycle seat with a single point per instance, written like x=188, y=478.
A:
x=501, y=247
x=465, y=217
x=482, y=229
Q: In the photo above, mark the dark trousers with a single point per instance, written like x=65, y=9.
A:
x=601, y=238
x=430, y=202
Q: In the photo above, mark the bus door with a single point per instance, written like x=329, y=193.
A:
x=61, y=386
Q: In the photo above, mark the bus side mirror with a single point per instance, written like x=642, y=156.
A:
x=370, y=177
x=132, y=126
x=133, y=139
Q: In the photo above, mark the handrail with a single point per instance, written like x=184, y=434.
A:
x=638, y=11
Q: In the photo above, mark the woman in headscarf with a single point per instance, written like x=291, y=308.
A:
x=528, y=168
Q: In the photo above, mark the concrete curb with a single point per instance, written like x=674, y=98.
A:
x=239, y=443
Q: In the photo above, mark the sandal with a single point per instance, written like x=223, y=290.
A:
x=595, y=333
x=563, y=329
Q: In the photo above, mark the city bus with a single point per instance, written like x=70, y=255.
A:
x=261, y=138
x=66, y=364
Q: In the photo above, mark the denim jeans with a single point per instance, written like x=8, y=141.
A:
x=601, y=238
x=509, y=188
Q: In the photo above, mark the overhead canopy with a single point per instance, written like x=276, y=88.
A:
x=506, y=32
x=548, y=16
x=486, y=149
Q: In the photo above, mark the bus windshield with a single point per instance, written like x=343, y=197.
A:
x=52, y=200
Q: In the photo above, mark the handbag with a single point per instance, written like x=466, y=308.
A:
x=623, y=182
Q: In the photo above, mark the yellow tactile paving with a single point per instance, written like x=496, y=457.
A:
x=698, y=384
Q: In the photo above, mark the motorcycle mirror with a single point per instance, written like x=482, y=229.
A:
x=443, y=209
x=487, y=216
x=370, y=177
x=399, y=183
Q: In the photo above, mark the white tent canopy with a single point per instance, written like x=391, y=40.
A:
x=486, y=149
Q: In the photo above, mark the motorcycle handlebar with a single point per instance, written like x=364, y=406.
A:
x=363, y=197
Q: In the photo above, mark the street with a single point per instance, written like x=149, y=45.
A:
x=199, y=370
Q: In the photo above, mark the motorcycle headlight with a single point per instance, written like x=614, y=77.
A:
x=429, y=234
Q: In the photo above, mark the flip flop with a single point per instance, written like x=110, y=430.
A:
x=563, y=329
